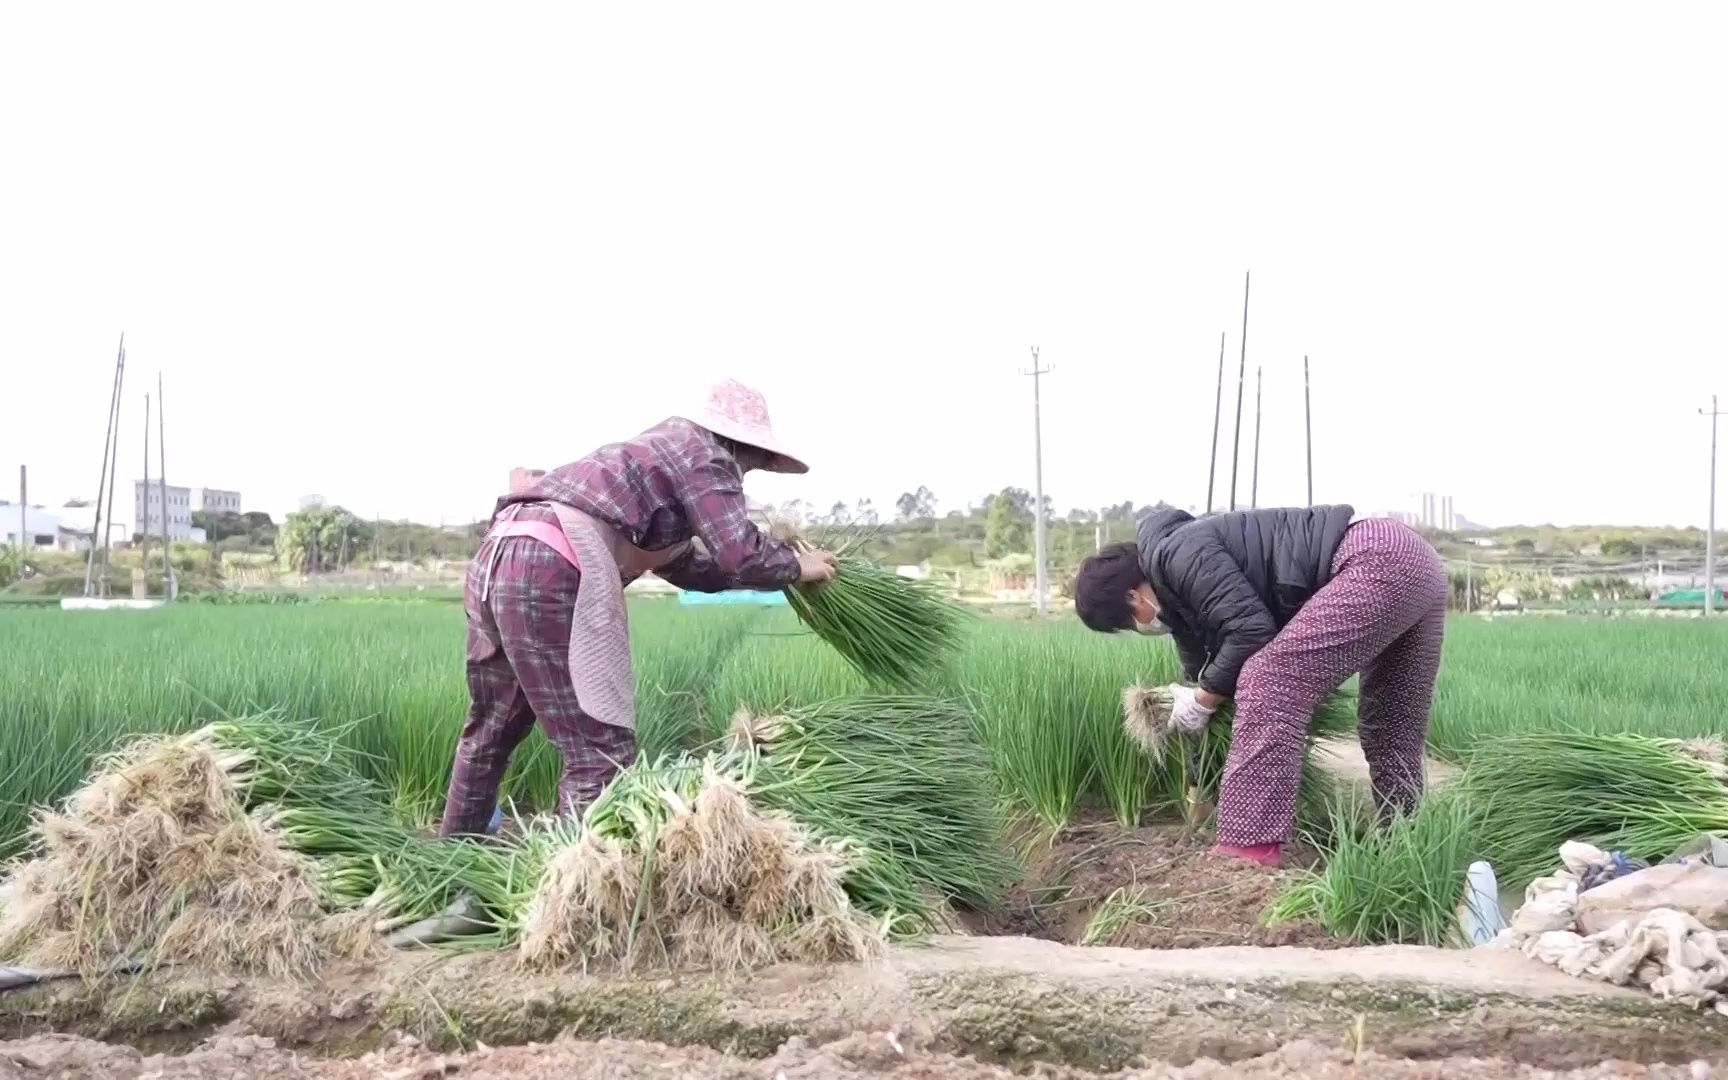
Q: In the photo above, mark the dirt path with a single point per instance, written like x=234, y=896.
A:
x=865, y=1056
x=958, y=1007
x=1386, y=969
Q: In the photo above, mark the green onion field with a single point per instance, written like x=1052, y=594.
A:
x=388, y=675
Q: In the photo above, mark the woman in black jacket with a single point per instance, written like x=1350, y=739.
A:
x=1277, y=608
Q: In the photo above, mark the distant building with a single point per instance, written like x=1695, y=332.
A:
x=1432, y=512
x=78, y=527
x=41, y=529
x=149, y=512
x=217, y=501
x=311, y=502
x=1437, y=512
x=522, y=479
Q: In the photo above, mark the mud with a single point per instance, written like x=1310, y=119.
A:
x=1152, y=887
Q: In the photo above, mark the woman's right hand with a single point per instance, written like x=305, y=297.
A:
x=815, y=567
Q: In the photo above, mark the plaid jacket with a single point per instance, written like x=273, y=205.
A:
x=672, y=483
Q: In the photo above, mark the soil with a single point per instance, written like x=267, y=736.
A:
x=1184, y=896
x=963, y=1007
x=874, y=1055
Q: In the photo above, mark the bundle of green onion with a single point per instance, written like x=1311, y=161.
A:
x=905, y=779
x=1635, y=794
x=774, y=845
x=676, y=864
x=894, y=630
x=305, y=782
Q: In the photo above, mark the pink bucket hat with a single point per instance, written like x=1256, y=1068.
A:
x=741, y=414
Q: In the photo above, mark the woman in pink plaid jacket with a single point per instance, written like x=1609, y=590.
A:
x=547, y=635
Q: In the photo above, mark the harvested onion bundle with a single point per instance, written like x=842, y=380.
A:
x=892, y=629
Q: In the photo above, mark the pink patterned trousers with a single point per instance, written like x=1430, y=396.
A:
x=519, y=672
x=1383, y=614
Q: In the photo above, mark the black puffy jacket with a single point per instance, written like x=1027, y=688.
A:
x=1226, y=584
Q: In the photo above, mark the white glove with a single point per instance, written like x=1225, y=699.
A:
x=1186, y=712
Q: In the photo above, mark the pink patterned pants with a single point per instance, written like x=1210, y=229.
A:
x=1383, y=614
x=519, y=673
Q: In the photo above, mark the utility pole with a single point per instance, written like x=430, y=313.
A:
x=1038, y=544
x=144, y=501
x=23, y=516
x=98, y=541
x=1241, y=377
x=1217, y=412
x=1308, y=419
x=1710, y=536
x=1254, y=484
x=169, y=588
x=113, y=481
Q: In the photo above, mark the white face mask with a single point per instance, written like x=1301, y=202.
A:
x=1151, y=629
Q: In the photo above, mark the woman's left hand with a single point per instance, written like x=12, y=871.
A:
x=1208, y=699
x=1186, y=712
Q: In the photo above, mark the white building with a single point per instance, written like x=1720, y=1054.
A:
x=182, y=503
x=78, y=525
x=148, y=511
x=66, y=529
x=41, y=529
x=217, y=501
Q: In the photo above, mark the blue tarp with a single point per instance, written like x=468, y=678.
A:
x=736, y=596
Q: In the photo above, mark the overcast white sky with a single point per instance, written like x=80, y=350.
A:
x=383, y=252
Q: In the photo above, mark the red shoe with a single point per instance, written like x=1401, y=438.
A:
x=1271, y=855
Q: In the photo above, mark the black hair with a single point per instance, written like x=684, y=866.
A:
x=743, y=453
x=1101, y=587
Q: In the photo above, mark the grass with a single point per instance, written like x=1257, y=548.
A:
x=1042, y=695
x=1521, y=797
x=1398, y=884
x=1129, y=905
x=1654, y=676
x=388, y=675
